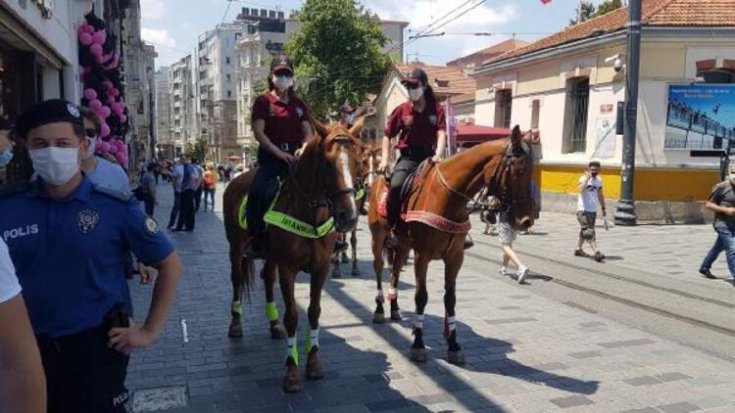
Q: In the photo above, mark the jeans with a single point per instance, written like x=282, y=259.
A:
x=197, y=199
x=209, y=193
x=725, y=242
x=187, y=214
x=175, y=210
x=149, y=204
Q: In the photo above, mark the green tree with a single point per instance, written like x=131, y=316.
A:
x=608, y=5
x=196, y=150
x=589, y=10
x=337, y=54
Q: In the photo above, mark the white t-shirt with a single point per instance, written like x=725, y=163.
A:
x=9, y=286
x=587, y=199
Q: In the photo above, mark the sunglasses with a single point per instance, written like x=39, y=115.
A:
x=283, y=73
x=412, y=85
x=90, y=133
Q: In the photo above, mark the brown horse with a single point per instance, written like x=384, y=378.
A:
x=319, y=188
x=370, y=161
x=438, y=199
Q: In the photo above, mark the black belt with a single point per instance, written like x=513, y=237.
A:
x=287, y=147
x=421, y=150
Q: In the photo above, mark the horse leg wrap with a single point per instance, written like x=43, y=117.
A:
x=450, y=325
x=312, y=340
x=271, y=312
x=418, y=323
x=292, y=349
x=236, y=309
x=379, y=298
x=392, y=294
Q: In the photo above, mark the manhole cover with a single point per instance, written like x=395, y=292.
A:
x=159, y=399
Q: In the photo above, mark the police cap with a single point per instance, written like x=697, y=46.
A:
x=281, y=61
x=49, y=111
x=414, y=77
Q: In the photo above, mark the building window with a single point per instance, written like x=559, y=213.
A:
x=227, y=60
x=229, y=93
x=718, y=76
x=229, y=78
x=535, y=108
x=575, y=115
x=503, y=108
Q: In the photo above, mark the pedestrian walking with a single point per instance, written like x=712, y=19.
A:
x=99, y=170
x=200, y=185
x=148, y=189
x=189, y=185
x=722, y=201
x=177, y=179
x=210, y=186
x=68, y=240
x=507, y=235
x=590, y=193
x=22, y=382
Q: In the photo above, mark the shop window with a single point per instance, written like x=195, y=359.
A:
x=575, y=115
x=718, y=76
x=503, y=108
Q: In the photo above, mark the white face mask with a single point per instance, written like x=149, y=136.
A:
x=92, y=146
x=282, y=82
x=351, y=118
x=415, y=94
x=55, y=166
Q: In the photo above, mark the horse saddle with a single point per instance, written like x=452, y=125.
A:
x=406, y=190
x=269, y=195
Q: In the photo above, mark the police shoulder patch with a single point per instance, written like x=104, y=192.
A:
x=122, y=196
x=87, y=220
x=151, y=226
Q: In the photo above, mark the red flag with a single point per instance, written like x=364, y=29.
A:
x=545, y=2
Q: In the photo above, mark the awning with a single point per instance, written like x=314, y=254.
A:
x=476, y=133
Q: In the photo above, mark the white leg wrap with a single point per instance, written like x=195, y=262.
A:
x=392, y=293
x=379, y=296
x=419, y=321
x=314, y=338
x=451, y=324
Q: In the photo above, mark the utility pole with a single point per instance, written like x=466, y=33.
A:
x=625, y=213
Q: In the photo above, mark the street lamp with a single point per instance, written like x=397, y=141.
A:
x=625, y=212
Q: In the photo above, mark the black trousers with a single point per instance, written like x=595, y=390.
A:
x=259, y=198
x=198, y=198
x=175, y=210
x=149, y=204
x=187, y=215
x=83, y=375
x=404, y=167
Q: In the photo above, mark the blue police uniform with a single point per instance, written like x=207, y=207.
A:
x=69, y=256
x=69, y=253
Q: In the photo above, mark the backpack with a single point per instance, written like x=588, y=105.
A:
x=209, y=179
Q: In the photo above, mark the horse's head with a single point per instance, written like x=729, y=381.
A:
x=510, y=181
x=341, y=153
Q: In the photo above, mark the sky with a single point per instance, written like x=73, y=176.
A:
x=173, y=26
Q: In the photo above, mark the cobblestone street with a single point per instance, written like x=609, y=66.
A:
x=526, y=350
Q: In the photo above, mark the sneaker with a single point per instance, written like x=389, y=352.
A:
x=707, y=273
x=502, y=270
x=522, y=273
x=468, y=243
x=580, y=253
x=599, y=257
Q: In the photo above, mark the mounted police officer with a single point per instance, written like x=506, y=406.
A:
x=281, y=124
x=68, y=239
x=421, y=127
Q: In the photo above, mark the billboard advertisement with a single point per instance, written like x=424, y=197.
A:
x=700, y=117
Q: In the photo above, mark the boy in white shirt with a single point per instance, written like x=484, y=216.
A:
x=590, y=193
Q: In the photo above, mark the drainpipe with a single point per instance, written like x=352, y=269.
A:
x=625, y=213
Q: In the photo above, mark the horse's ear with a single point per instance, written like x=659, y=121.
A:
x=516, y=136
x=321, y=129
x=357, y=127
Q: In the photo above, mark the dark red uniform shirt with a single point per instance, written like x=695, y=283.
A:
x=282, y=120
x=415, y=128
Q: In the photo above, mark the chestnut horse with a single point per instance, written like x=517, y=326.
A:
x=319, y=189
x=438, y=199
x=370, y=161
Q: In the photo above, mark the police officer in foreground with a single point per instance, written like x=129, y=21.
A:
x=68, y=240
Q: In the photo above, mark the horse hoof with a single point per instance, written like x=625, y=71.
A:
x=378, y=318
x=314, y=368
x=456, y=357
x=292, y=384
x=419, y=355
x=235, y=330
x=395, y=315
x=278, y=332
x=345, y=260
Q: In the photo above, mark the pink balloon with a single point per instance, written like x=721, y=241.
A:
x=85, y=38
x=113, y=149
x=88, y=28
x=104, y=130
x=96, y=50
x=115, y=92
x=107, y=84
x=105, y=112
x=90, y=94
x=95, y=104
x=99, y=37
x=102, y=147
x=123, y=118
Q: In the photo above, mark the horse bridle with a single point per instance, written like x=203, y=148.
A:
x=501, y=192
